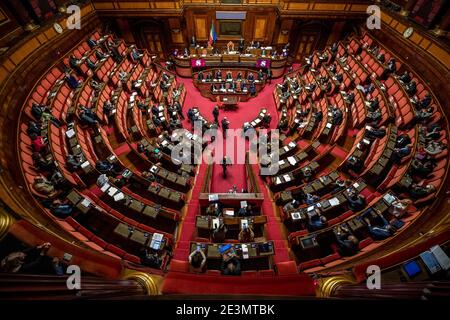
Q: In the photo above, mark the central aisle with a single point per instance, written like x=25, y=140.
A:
x=287, y=281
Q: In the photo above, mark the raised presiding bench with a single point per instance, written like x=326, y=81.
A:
x=205, y=224
x=253, y=256
x=232, y=199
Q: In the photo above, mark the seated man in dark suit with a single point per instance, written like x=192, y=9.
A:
x=355, y=201
x=231, y=265
x=347, y=243
x=379, y=230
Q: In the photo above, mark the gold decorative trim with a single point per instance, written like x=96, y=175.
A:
x=327, y=287
x=6, y=221
x=146, y=281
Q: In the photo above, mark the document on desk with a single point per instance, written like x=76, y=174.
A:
x=441, y=257
x=292, y=161
x=245, y=251
x=85, y=164
x=334, y=201
x=277, y=180
x=328, y=125
x=156, y=241
x=70, y=133
x=153, y=169
x=213, y=197
x=105, y=187
x=85, y=203
x=287, y=178
x=244, y=223
x=119, y=196
x=112, y=191
x=229, y=213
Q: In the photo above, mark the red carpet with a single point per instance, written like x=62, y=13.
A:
x=273, y=226
x=246, y=112
x=288, y=281
x=187, y=226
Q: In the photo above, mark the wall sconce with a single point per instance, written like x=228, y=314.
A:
x=284, y=32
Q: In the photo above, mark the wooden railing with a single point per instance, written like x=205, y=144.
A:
x=49, y=287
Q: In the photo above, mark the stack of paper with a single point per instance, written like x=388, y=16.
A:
x=245, y=251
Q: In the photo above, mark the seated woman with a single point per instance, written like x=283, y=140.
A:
x=42, y=185
x=399, y=207
x=197, y=261
x=39, y=144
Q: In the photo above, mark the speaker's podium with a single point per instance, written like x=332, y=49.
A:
x=232, y=56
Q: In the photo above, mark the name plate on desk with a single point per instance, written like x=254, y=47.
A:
x=213, y=197
x=229, y=213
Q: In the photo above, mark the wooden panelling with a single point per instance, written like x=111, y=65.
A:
x=260, y=28
x=201, y=28
x=418, y=39
x=134, y=5
x=297, y=6
x=440, y=54
x=330, y=6
x=103, y=5
x=358, y=7
x=25, y=50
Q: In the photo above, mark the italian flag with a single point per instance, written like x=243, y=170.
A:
x=212, y=34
